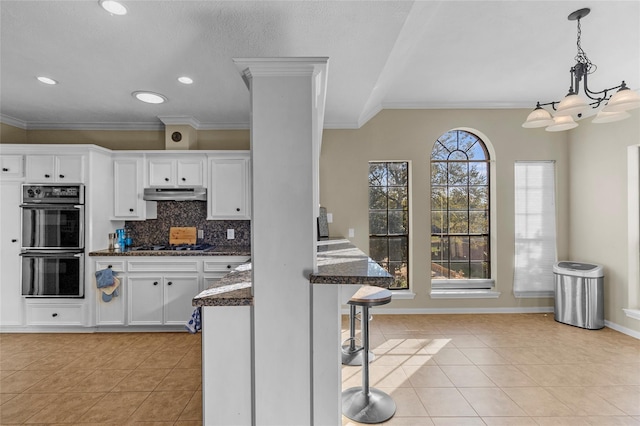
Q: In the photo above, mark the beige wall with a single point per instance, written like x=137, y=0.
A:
x=409, y=135
x=10, y=134
x=598, y=207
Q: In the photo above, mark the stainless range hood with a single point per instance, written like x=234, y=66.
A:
x=175, y=194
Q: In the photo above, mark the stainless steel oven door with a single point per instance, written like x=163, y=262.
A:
x=52, y=226
x=52, y=274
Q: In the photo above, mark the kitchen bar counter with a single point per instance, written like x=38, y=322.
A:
x=338, y=260
x=216, y=251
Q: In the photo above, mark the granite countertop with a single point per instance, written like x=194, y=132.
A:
x=216, y=251
x=339, y=262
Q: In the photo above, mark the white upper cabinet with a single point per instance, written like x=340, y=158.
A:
x=11, y=166
x=128, y=188
x=229, y=187
x=166, y=172
x=55, y=168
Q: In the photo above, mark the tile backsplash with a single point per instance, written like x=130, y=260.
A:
x=188, y=213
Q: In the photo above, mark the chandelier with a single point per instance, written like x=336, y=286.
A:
x=616, y=104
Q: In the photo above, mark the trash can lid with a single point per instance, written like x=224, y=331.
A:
x=578, y=269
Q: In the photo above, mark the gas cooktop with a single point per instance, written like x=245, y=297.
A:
x=180, y=247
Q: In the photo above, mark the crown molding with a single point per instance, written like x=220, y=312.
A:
x=179, y=120
x=457, y=105
x=13, y=122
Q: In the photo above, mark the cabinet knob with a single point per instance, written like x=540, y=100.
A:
x=4, y=169
x=155, y=283
x=169, y=283
x=238, y=209
x=131, y=210
x=110, y=266
x=184, y=179
x=166, y=179
x=61, y=176
x=54, y=314
x=228, y=266
x=47, y=176
x=13, y=240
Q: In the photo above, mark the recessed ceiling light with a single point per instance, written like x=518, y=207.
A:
x=46, y=80
x=149, y=97
x=185, y=80
x=113, y=7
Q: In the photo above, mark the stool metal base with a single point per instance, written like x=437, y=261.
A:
x=376, y=407
x=350, y=357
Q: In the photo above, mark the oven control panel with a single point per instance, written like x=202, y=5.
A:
x=67, y=194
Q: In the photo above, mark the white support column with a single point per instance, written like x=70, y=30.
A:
x=287, y=109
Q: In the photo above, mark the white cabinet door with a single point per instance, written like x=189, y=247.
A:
x=145, y=300
x=11, y=166
x=112, y=312
x=229, y=188
x=11, y=302
x=178, y=294
x=162, y=172
x=69, y=168
x=127, y=186
x=55, y=168
x=190, y=172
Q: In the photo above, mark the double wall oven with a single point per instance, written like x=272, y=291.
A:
x=52, y=240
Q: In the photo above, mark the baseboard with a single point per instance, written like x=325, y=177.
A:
x=621, y=329
x=409, y=311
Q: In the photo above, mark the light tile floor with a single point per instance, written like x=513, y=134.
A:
x=502, y=369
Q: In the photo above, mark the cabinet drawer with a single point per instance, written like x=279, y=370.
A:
x=117, y=266
x=226, y=264
x=58, y=314
x=165, y=265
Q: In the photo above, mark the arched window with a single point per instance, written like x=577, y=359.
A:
x=460, y=208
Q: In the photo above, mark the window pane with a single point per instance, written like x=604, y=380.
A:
x=377, y=174
x=477, y=152
x=466, y=140
x=478, y=222
x=458, y=155
x=438, y=222
x=398, y=249
x=439, y=152
x=439, y=270
x=449, y=140
x=458, y=222
x=478, y=197
x=478, y=174
x=458, y=198
x=459, y=248
x=397, y=174
x=377, y=222
x=479, y=270
x=439, y=248
x=479, y=248
x=398, y=198
x=377, y=197
x=438, y=198
x=399, y=271
x=438, y=173
x=398, y=223
x=458, y=173
x=378, y=249
x=459, y=270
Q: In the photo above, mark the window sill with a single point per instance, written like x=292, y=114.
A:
x=464, y=294
x=632, y=313
x=402, y=294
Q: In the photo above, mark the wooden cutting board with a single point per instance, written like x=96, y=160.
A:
x=182, y=235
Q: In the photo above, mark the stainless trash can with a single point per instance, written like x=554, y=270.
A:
x=579, y=298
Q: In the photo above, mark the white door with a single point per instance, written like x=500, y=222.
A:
x=145, y=300
x=178, y=294
x=11, y=301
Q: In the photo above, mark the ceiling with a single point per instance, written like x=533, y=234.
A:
x=382, y=54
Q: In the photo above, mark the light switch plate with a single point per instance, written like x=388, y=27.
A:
x=201, y=233
x=231, y=234
x=352, y=233
x=329, y=217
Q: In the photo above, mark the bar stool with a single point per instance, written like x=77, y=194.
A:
x=366, y=404
x=351, y=353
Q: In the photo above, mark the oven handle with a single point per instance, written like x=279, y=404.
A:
x=52, y=206
x=51, y=253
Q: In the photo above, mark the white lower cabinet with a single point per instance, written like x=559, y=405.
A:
x=112, y=312
x=158, y=300
x=55, y=313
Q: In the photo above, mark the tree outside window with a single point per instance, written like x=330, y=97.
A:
x=460, y=207
x=389, y=219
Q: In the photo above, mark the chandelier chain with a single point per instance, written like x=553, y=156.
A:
x=581, y=56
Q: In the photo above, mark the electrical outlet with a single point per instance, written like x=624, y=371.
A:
x=231, y=234
x=201, y=233
x=352, y=233
x=329, y=217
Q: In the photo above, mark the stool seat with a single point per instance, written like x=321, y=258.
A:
x=369, y=295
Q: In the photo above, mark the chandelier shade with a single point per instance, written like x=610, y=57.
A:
x=610, y=117
x=560, y=115
x=623, y=100
x=564, y=122
x=539, y=117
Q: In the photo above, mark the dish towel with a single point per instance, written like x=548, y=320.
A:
x=194, y=325
x=108, y=284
